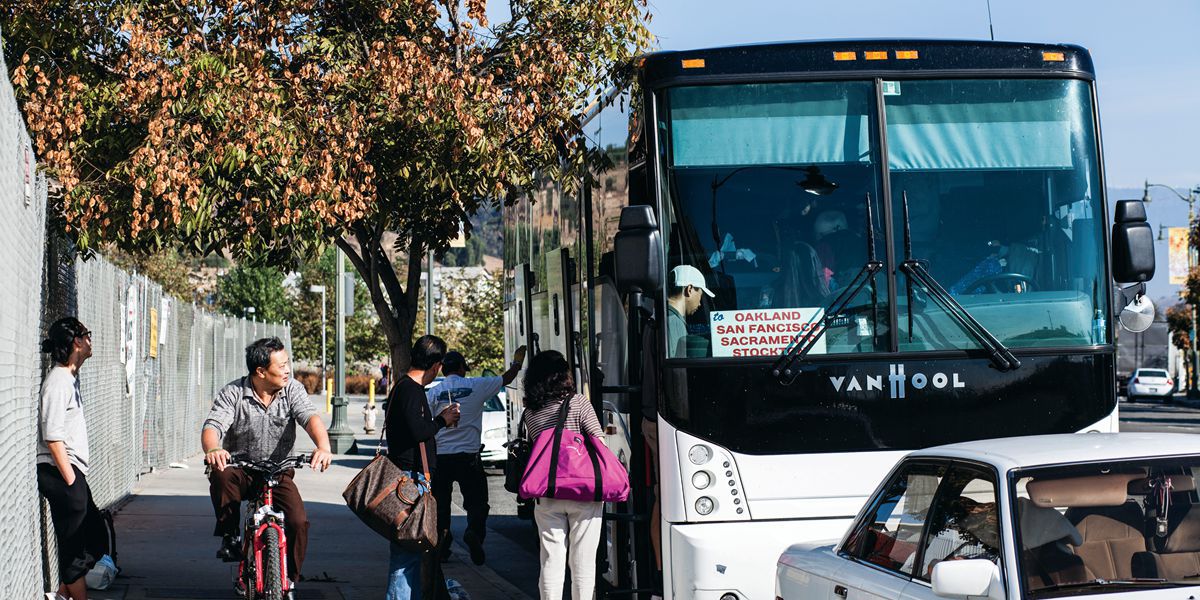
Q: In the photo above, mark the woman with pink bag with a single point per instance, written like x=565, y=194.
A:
x=567, y=529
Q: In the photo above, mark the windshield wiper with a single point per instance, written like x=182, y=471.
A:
x=1132, y=581
x=1001, y=356
x=802, y=343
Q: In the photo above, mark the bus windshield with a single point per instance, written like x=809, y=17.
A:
x=768, y=188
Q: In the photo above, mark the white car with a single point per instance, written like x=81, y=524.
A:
x=1028, y=517
x=495, y=430
x=1151, y=383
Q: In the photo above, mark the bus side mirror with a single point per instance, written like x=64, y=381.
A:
x=638, y=251
x=1132, y=243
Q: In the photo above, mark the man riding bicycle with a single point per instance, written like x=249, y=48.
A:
x=255, y=417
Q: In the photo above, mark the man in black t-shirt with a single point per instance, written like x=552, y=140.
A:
x=409, y=424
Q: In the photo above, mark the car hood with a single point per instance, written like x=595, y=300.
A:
x=494, y=419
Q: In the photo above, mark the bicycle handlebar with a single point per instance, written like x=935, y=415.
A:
x=270, y=467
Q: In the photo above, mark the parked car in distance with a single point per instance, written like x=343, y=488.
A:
x=1026, y=517
x=1151, y=383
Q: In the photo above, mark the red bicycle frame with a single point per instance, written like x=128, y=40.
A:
x=260, y=545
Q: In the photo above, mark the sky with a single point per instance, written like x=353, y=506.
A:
x=1146, y=54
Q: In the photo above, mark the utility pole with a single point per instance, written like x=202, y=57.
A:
x=341, y=438
x=320, y=289
x=429, y=295
x=1192, y=260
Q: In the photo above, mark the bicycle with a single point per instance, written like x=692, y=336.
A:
x=262, y=570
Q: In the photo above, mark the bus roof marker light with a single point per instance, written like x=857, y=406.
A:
x=1053, y=56
x=907, y=55
x=840, y=56
x=693, y=63
x=875, y=55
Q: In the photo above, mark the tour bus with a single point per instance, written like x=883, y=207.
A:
x=810, y=258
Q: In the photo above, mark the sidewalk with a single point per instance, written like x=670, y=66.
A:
x=166, y=548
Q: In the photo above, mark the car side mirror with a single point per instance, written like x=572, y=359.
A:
x=1132, y=243
x=637, y=250
x=973, y=578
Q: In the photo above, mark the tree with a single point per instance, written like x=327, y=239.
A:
x=470, y=317
x=270, y=128
x=1179, y=323
x=258, y=287
x=167, y=267
x=363, y=342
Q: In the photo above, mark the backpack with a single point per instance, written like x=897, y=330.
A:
x=105, y=571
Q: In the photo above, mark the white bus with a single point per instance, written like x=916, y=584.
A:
x=931, y=213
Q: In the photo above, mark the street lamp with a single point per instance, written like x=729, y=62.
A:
x=1192, y=260
x=320, y=289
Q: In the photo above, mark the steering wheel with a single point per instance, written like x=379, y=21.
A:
x=1003, y=283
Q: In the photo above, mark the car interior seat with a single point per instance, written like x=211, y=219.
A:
x=1111, y=537
x=1046, y=538
x=1109, y=526
x=1175, y=556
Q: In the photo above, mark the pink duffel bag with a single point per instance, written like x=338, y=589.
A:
x=570, y=465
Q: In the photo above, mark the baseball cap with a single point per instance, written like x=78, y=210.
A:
x=689, y=275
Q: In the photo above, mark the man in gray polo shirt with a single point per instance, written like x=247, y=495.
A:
x=255, y=417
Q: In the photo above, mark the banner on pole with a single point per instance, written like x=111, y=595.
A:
x=1178, y=257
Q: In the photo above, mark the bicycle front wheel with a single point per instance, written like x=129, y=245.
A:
x=272, y=575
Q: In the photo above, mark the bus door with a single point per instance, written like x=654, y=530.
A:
x=559, y=324
x=519, y=320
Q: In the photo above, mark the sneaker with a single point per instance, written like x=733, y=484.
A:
x=230, y=550
x=475, y=545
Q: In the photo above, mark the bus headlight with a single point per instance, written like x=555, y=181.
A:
x=700, y=454
x=705, y=505
x=701, y=480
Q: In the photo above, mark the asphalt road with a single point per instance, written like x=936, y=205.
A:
x=1176, y=417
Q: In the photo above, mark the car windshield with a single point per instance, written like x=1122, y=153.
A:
x=768, y=189
x=493, y=404
x=1110, y=527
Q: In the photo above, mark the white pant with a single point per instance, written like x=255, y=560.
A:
x=568, y=530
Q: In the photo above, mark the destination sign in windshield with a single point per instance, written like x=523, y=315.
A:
x=762, y=332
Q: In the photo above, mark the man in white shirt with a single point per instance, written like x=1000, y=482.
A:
x=458, y=448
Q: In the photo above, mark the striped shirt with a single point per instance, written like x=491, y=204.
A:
x=581, y=417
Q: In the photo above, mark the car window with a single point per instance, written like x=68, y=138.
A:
x=891, y=533
x=1152, y=373
x=964, y=520
x=493, y=404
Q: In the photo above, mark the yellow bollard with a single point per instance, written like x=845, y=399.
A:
x=369, y=409
x=329, y=396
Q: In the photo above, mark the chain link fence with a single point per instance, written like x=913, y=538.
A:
x=157, y=362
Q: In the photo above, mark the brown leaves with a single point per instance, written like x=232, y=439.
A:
x=265, y=126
